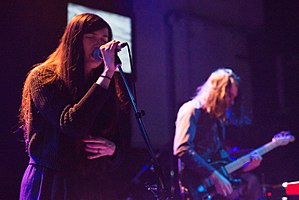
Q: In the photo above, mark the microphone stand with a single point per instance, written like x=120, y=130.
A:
x=159, y=190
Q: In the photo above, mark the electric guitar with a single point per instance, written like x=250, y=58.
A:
x=206, y=188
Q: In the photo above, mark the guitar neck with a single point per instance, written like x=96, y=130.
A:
x=237, y=164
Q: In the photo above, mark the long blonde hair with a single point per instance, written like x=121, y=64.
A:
x=212, y=93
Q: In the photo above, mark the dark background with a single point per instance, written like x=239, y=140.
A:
x=30, y=32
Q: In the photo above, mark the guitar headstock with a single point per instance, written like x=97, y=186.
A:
x=283, y=138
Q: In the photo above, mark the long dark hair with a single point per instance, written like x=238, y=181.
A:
x=69, y=55
x=67, y=63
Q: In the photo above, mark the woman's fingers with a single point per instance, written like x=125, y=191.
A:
x=98, y=147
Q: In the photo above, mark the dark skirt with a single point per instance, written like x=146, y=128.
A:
x=43, y=183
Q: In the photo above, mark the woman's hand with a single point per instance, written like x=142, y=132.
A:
x=108, y=51
x=255, y=161
x=222, y=185
x=98, y=147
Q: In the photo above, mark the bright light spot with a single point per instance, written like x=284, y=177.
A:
x=269, y=194
x=171, y=173
x=285, y=184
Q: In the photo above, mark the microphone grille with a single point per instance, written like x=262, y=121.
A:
x=96, y=54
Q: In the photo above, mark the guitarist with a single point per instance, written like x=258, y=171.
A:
x=200, y=137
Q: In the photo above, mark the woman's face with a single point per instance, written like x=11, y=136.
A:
x=231, y=95
x=92, y=41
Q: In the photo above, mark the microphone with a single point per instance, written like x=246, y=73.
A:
x=96, y=54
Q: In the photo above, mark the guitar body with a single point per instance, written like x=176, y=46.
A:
x=203, y=189
x=207, y=188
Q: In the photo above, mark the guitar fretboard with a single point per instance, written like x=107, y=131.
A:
x=237, y=164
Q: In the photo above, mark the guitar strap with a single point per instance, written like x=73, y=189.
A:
x=222, y=137
x=221, y=131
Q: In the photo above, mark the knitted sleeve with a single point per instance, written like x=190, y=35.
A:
x=53, y=102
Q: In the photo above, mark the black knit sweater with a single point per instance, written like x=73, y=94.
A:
x=58, y=123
